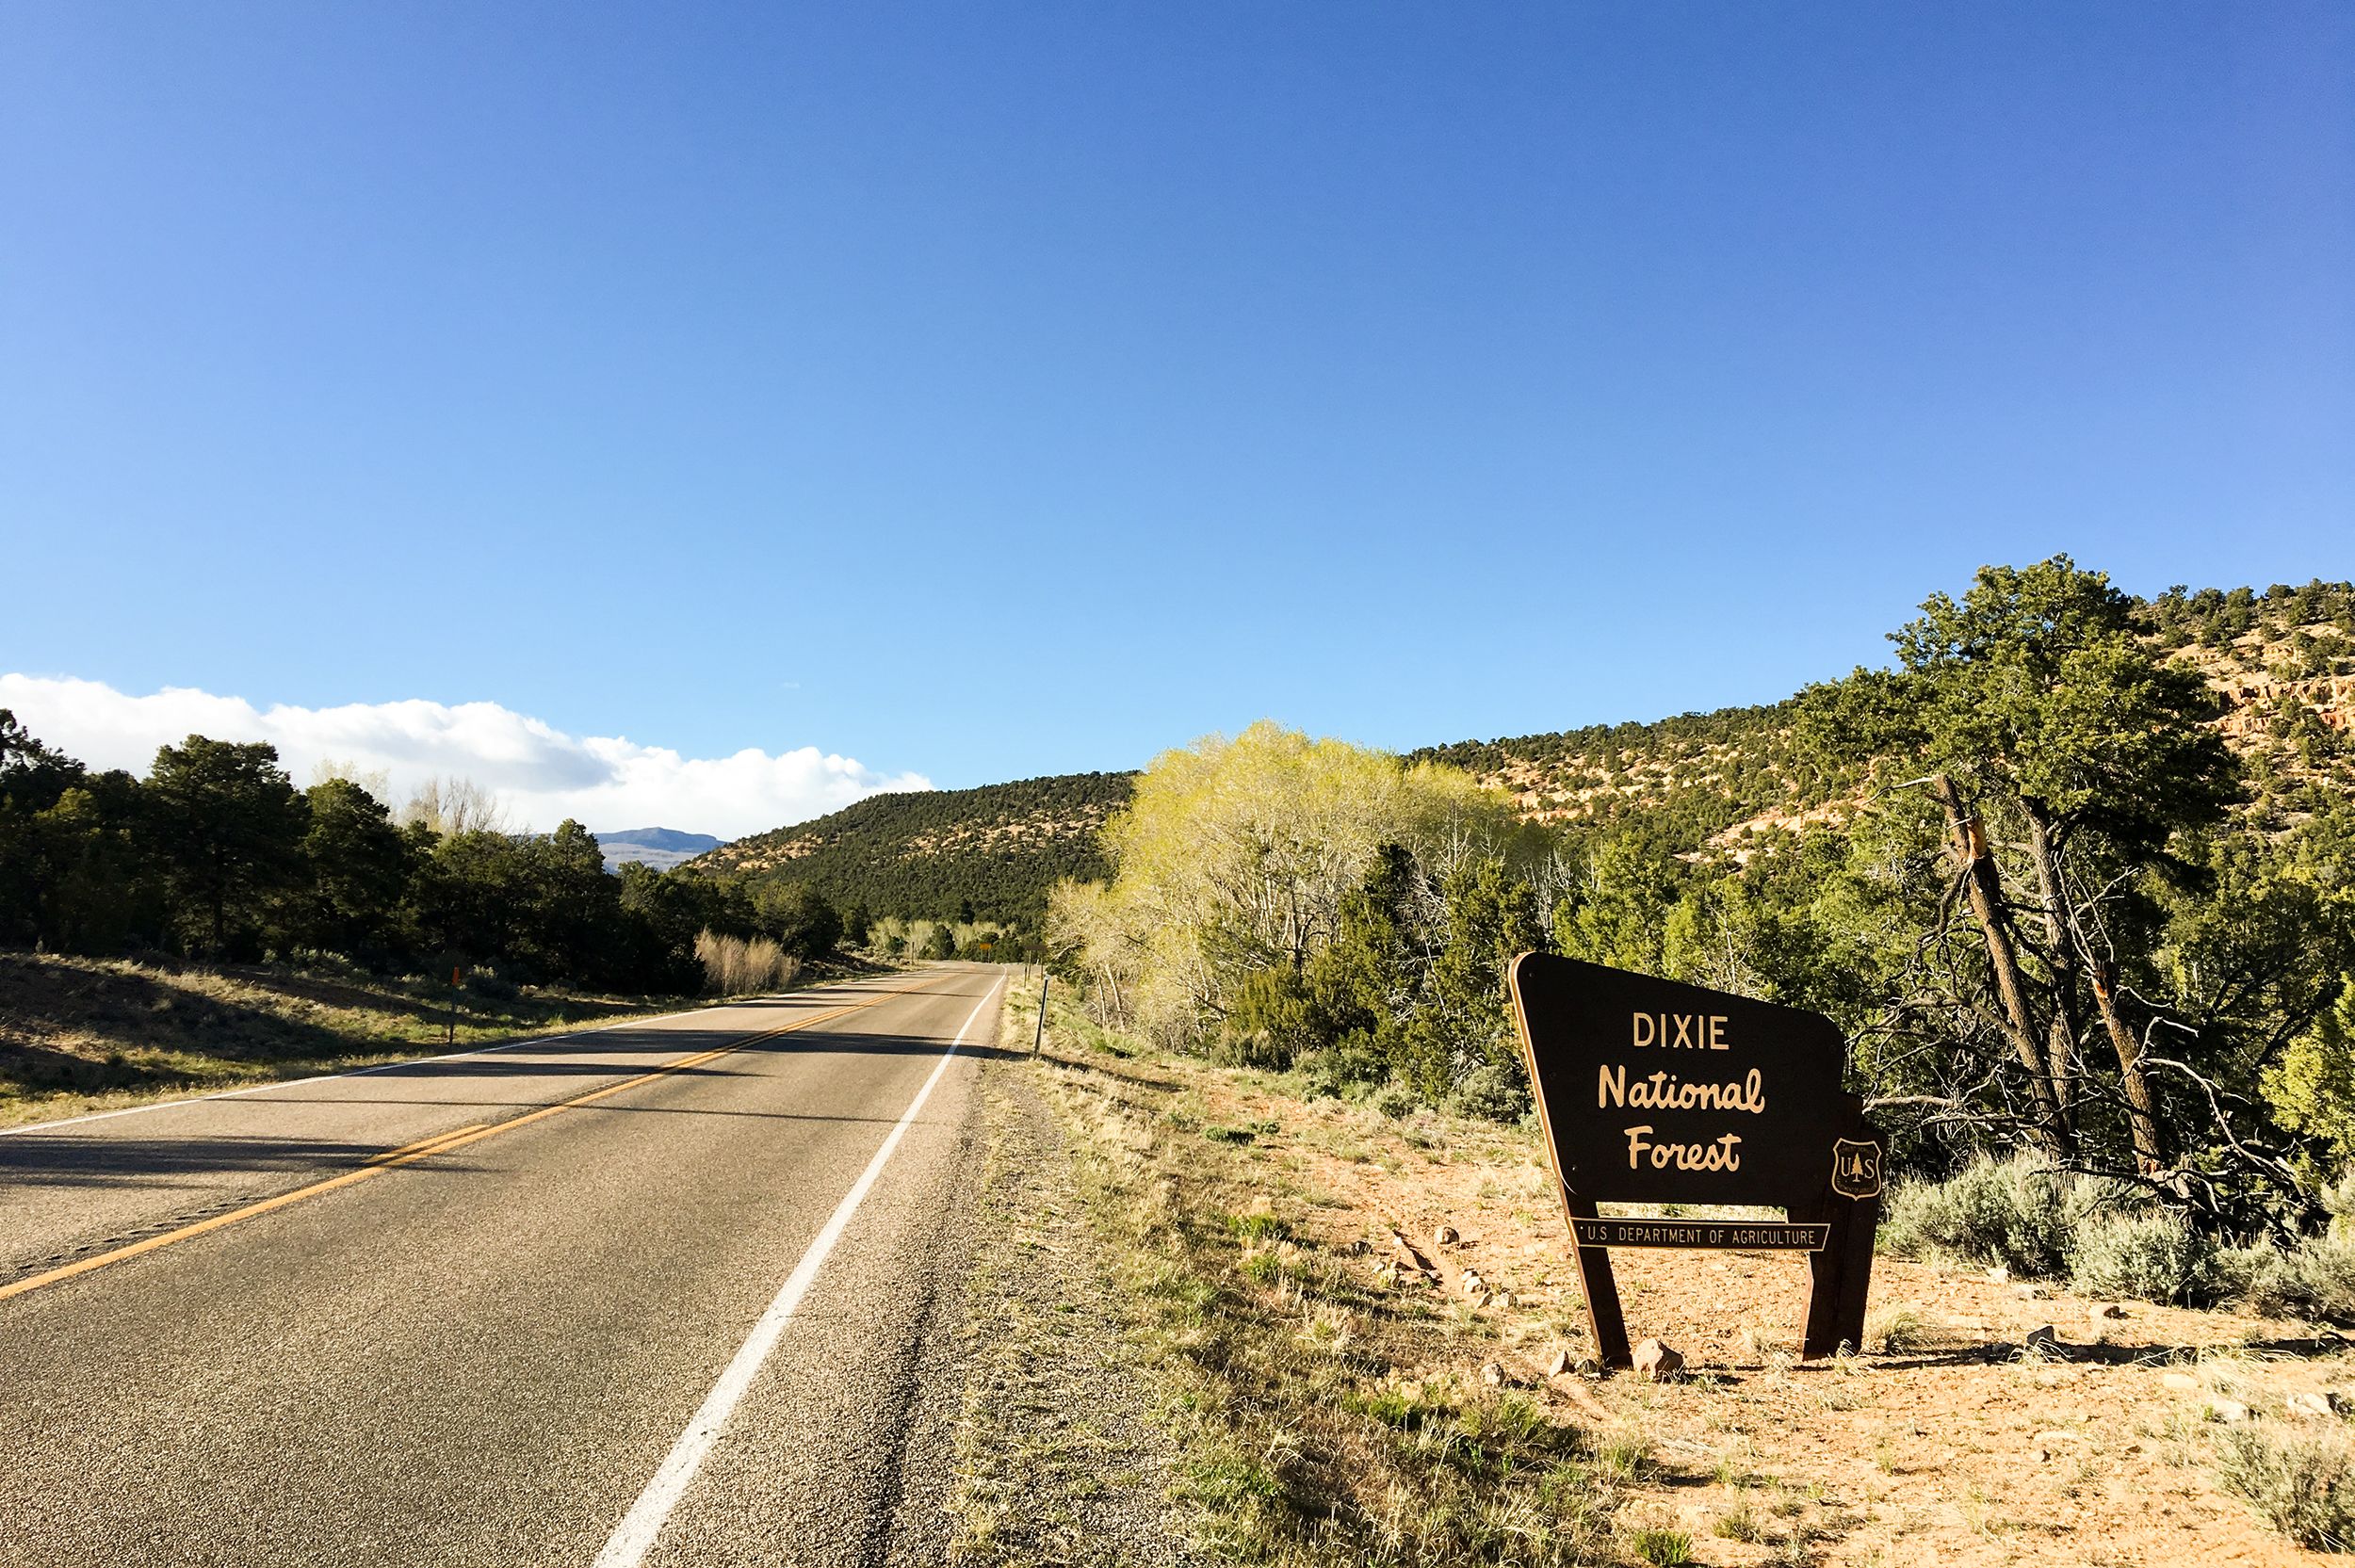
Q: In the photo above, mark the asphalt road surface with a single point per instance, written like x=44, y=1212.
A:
x=672, y=1293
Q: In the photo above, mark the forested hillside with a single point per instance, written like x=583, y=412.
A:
x=2074, y=874
x=2280, y=662
x=988, y=854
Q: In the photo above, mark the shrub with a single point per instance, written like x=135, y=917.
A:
x=1395, y=1100
x=2314, y=1279
x=2151, y=1254
x=1334, y=1071
x=320, y=963
x=735, y=967
x=1492, y=1095
x=2303, y=1487
x=488, y=983
x=1268, y=1023
x=2022, y=1213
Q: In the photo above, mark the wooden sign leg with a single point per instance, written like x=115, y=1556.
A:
x=1856, y=1268
x=1841, y=1276
x=1604, y=1320
x=1827, y=1273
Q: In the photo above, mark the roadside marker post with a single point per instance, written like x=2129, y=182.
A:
x=449, y=1031
x=1038, y=1041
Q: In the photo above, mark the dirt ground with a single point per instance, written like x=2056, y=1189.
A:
x=1957, y=1448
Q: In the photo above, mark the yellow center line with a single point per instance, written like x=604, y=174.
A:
x=408, y=1154
x=423, y=1145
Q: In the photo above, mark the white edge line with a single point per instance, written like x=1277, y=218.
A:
x=388, y=1066
x=626, y=1547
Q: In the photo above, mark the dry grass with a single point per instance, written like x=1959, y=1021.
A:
x=736, y=967
x=89, y=1034
x=1312, y=1427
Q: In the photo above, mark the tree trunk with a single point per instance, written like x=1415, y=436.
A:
x=2061, y=924
x=2142, y=1109
x=1983, y=885
x=2059, y=931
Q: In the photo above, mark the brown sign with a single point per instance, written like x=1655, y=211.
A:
x=1652, y=1092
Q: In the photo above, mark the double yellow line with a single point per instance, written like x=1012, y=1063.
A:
x=442, y=1143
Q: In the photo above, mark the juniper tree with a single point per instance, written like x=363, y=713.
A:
x=2061, y=757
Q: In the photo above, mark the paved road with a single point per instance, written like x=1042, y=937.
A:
x=600, y=1314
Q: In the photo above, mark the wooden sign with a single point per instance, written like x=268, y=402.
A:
x=1652, y=1092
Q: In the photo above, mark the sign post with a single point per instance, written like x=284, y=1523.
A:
x=1652, y=1092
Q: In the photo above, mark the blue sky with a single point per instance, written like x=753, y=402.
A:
x=977, y=391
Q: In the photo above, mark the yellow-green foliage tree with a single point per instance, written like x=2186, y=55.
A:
x=1236, y=858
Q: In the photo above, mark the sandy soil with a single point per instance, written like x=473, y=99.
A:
x=1960, y=1449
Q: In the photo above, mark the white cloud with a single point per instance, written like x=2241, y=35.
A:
x=541, y=774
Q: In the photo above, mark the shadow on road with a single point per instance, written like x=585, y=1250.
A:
x=101, y=1155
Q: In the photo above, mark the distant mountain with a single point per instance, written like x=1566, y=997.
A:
x=660, y=848
x=927, y=853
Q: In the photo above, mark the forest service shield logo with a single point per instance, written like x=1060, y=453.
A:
x=1856, y=1168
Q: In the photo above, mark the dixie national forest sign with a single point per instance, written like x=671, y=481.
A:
x=1655, y=1092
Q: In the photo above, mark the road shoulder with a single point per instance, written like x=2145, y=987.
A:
x=1059, y=1458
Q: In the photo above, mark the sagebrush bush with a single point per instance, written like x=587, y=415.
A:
x=2020, y=1212
x=2150, y=1253
x=2302, y=1486
x=2313, y=1280
x=1492, y=1095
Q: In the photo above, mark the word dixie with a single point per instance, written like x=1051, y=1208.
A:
x=1686, y=1032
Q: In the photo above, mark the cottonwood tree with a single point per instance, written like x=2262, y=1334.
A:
x=453, y=806
x=1236, y=856
x=2060, y=759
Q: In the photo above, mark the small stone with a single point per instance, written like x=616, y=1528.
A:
x=2182, y=1381
x=1473, y=1283
x=2028, y=1292
x=2044, y=1339
x=1999, y=1275
x=1504, y=1301
x=2228, y=1410
x=2106, y=1309
x=2309, y=1404
x=1493, y=1375
x=1446, y=1236
x=1656, y=1360
x=1558, y=1364
x=2043, y=1456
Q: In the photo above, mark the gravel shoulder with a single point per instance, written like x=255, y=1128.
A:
x=1060, y=1455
